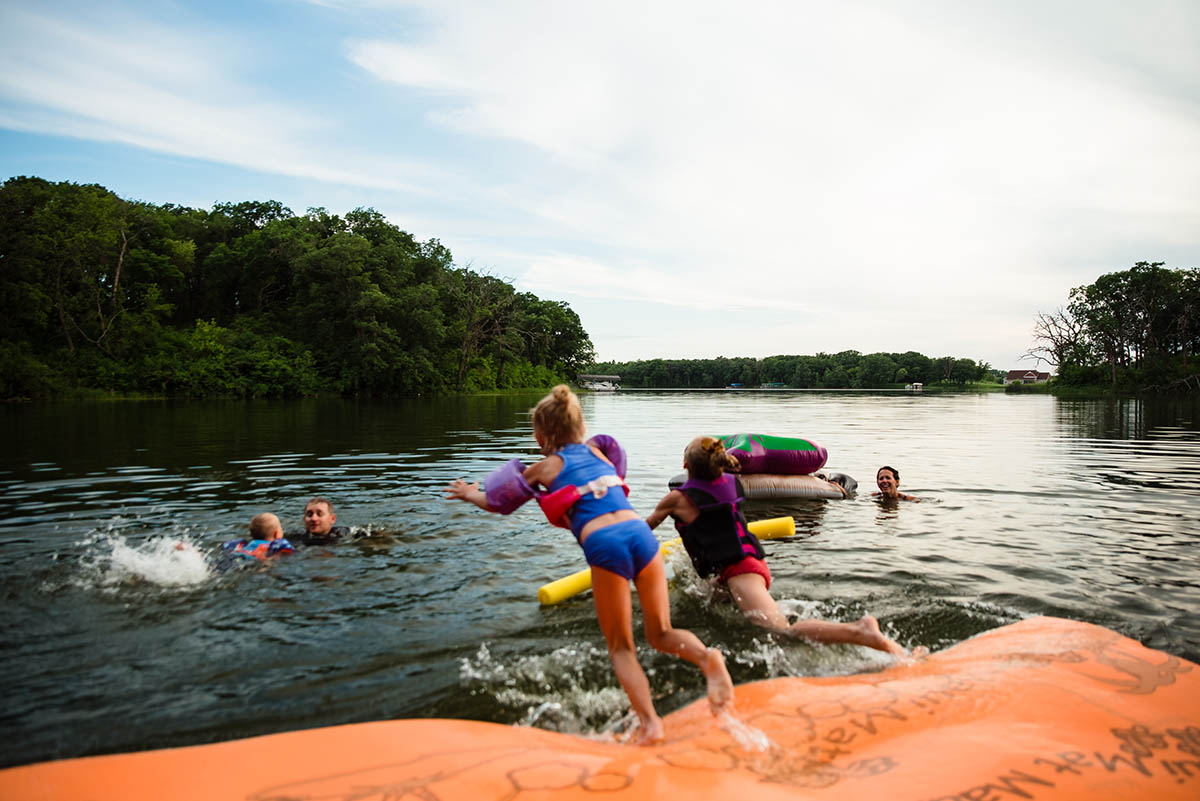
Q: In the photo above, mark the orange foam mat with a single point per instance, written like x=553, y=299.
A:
x=1041, y=709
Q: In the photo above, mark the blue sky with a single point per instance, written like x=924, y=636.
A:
x=696, y=179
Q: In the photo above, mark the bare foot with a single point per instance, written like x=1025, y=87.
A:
x=720, y=686
x=874, y=638
x=650, y=732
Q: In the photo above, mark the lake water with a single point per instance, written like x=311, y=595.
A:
x=114, y=640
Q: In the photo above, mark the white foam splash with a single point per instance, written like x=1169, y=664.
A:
x=569, y=689
x=746, y=736
x=111, y=561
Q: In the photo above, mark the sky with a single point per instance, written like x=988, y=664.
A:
x=696, y=179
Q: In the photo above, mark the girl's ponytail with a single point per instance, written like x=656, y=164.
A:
x=707, y=459
x=558, y=417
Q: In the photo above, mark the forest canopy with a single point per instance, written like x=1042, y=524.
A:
x=252, y=300
x=848, y=369
x=249, y=299
x=1134, y=329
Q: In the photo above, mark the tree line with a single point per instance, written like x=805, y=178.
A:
x=1134, y=329
x=250, y=299
x=846, y=370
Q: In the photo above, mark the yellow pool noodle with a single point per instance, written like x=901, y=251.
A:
x=557, y=591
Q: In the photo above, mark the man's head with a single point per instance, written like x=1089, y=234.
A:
x=319, y=517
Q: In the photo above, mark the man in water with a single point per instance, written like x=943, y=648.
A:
x=319, y=519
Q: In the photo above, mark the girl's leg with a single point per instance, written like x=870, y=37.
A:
x=656, y=612
x=614, y=611
x=750, y=592
x=864, y=632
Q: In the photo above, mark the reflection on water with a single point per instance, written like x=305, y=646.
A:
x=1130, y=418
x=116, y=638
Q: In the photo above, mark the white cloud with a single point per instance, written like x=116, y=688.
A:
x=910, y=172
x=150, y=86
x=781, y=137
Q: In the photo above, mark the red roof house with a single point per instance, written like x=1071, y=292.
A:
x=1026, y=377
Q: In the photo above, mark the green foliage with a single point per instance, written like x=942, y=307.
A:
x=1019, y=388
x=24, y=375
x=877, y=370
x=249, y=299
x=846, y=370
x=1133, y=329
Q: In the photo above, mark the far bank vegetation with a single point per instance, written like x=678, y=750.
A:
x=1135, y=330
x=848, y=369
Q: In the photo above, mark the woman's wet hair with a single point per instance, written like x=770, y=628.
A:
x=558, y=417
x=706, y=459
x=895, y=472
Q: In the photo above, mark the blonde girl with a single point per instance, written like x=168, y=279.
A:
x=619, y=548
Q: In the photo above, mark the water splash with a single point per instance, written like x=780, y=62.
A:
x=570, y=689
x=111, y=561
x=747, y=737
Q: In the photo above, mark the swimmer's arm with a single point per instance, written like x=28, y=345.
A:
x=542, y=473
x=462, y=491
x=664, y=509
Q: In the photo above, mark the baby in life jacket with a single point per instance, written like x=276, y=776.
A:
x=707, y=511
x=266, y=539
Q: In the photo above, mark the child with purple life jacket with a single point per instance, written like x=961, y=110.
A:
x=580, y=486
x=707, y=511
x=266, y=539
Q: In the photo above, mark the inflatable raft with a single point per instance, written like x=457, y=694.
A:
x=763, y=453
x=1039, y=710
x=780, y=467
x=758, y=486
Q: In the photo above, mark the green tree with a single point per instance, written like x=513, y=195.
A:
x=249, y=299
x=877, y=370
x=1140, y=322
x=836, y=377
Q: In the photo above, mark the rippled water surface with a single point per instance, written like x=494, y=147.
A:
x=114, y=639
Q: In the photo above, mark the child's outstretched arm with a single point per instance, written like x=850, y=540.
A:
x=508, y=487
x=462, y=491
x=665, y=508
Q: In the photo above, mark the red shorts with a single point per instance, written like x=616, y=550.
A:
x=751, y=564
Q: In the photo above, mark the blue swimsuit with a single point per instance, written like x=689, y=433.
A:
x=623, y=548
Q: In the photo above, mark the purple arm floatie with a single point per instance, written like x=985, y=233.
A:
x=612, y=450
x=506, y=488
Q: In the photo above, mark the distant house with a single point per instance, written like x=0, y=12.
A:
x=1026, y=377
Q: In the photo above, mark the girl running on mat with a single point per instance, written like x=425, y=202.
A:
x=707, y=511
x=617, y=543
